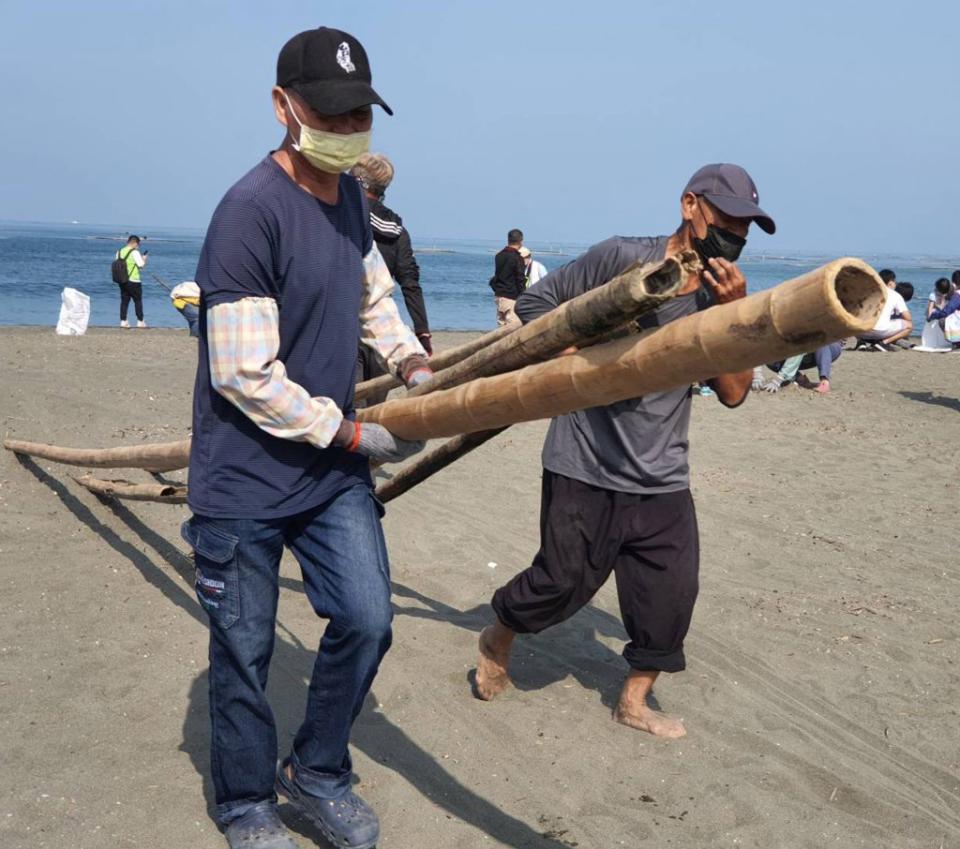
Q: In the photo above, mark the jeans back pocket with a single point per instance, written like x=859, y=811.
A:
x=217, y=580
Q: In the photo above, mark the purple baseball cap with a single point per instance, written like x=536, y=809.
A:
x=731, y=190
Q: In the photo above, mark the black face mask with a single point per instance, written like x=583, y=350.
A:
x=719, y=244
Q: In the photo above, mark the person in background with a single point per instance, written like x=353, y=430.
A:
x=933, y=336
x=534, y=271
x=290, y=276
x=894, y=323
x=616, y=482
x=939, y=295
x=792, y=369
x=132, y=290
x=951, y=304
x=375, y=173
x=186, y=301
x=509, y=279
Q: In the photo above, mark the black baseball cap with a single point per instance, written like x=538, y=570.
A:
x=731, y=190
x=329, y=69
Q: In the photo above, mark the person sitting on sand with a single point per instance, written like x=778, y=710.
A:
x=894, y=323
x=950, y=306
x=933, y=337
x=939, y=295
x=791, y=370
x=615, y=493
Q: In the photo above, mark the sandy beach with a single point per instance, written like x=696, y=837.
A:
x=823, y=682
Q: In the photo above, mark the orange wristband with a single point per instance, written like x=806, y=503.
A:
x=355, y=442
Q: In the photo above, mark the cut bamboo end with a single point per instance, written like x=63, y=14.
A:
x=854, y=284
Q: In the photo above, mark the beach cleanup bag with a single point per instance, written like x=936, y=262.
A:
x=951, y=327
x=74, y=313
x=118, y=268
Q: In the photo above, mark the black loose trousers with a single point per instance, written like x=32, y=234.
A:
x=649, y=542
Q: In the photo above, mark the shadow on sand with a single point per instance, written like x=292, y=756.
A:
x=571, y=649
x=374, y=734
x=930, y=398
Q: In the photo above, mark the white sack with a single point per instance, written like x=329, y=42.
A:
x=74, y=313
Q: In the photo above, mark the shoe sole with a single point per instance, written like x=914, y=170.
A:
x=291, y=795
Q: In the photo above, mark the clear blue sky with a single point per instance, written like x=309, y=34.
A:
x=573, y=121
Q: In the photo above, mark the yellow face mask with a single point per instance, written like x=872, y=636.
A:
x=330, y=152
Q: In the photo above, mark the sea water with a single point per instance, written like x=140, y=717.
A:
x=38, y=260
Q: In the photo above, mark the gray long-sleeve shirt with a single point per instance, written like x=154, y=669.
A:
x=639, y=445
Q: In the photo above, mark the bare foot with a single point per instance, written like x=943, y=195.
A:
x=633, y=710
x=492, y=677
x=645, y=719
x=823, y=387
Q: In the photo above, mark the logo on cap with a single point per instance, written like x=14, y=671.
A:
x=343, y=58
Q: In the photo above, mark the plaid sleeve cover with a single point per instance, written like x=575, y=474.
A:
x=243, y=338
x=381, y=327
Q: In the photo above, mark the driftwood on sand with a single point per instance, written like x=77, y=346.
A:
x=833, y=302
x=156, y=457
x=165, y=493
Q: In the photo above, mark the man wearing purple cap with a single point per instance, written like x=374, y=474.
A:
x=290, y=277
x=616, y=491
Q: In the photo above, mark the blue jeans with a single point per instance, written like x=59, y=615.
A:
x=192, y=316
x=343, y=559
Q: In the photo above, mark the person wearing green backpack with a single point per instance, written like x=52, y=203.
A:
x=131, y=289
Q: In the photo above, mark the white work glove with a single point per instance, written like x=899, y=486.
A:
x=381, y=446
x=773, y=385
x=757, y=383
x=375, y=441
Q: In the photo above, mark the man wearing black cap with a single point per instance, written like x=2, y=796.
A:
x=288, y=273
x=616, y=494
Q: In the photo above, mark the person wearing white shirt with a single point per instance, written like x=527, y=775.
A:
x=533, y=270
x=895, y=322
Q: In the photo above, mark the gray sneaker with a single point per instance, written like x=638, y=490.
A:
x=259, y=828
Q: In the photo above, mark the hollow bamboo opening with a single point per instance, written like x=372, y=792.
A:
x=855, y=287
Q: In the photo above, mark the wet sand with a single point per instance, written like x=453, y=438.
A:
x=822, y=685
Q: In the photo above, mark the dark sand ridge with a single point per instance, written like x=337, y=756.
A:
x=822, y=684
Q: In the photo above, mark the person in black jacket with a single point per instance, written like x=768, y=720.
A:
x=509, y=278
x=375, y=173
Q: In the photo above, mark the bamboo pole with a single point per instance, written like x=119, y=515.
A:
x=158, y=457
x=432, y=462
x=164, y=493
x=840, y=299
x=638, y=289
x=582, y=320
x=439, y=361
x=592, y=317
